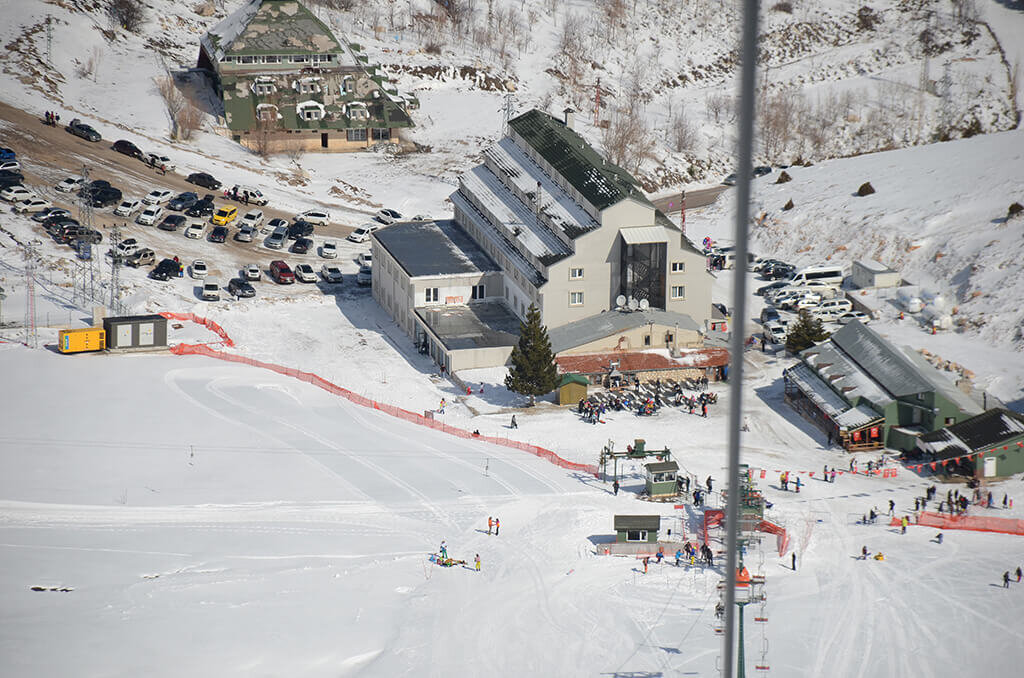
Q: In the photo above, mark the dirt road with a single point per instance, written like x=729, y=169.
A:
x=669, y=204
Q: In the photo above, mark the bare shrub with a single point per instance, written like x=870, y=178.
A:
x=682, y=133
x=1015, y=209
x=784, y=178
x=788, y=206
x=627, y=140
x=432, y=48
x=189, y=120
x=867, y=18
x=262, y=135
x=128, y=14
x=174, y=101
x=777, y=114
x=786, y=7
x=716, y=105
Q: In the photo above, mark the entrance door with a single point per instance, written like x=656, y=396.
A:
x=990, y=466
x=323, y=139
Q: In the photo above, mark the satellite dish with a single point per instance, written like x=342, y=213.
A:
x=644, y=304
x=633, y=304
x=620, y=301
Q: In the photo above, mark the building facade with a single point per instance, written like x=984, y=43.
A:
x=287, y=83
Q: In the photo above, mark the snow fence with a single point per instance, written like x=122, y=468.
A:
x=715, y=517
x=320, y=382
x=975, y=523
x=205, y=322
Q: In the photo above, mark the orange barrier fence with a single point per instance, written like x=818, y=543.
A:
x=782, y=537
x=413, y=417
x=205, y=322
x=975, y=523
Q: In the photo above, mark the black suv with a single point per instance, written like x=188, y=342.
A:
x=183, y=201
x=128, y=148
x=106, y=197
x=172, y=222
x=219, y=234
x=300, y=229
x=168, y=268
x=240, y=288
x=10, y=178
x=203, y=179
x=302, y=246
x=202, y=208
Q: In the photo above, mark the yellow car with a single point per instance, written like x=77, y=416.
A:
x=225, y=215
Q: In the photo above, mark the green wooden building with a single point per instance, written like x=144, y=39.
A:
x=661, y=479
x=637, y=529
x=995, y=440
x=869, y=393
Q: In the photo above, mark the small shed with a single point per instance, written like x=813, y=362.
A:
x=136, y=332
x=637, y=529
x=572, y=389
x=870, y=273
x=661, y=478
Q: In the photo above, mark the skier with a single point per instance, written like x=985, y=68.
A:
x=1019, y=573
x=798, y=484
x=476, y=561
x=783, y=481
x=444, y=549
x=989, y=504
x=708, y=481
x=515, y=424
x=892, y=507
x=938, y=537
x=1005, y=499
x=490, y=524
x=658, y=556
x=794, y=561
x=615, y=487
x=497, y=526
x=903, y=525
x=863, y=552
x=646, y=559
x=1006, y=579
x=679, y=556
x=917, y=504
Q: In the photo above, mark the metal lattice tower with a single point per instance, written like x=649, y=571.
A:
x=88, y=277
x=946, y=87
x=509, y=109
x=115, y=270
x=31, y=333
x=49, y=39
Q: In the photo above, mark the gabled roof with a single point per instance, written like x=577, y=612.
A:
x=601, y=183
x=574, y=379
x=662, y=466
x=993, y=427
x=637, y=523
x=270, y=27
x=881, y=360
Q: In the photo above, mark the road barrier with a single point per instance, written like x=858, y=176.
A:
x=975, y=523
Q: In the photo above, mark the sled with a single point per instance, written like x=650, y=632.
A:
x=445, y=562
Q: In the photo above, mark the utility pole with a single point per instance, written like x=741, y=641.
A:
x=115, y=270
x=49, y=39
x=31, y=334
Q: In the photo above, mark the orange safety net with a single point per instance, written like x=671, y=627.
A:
x=976, y=523
x=320, y=382
x=205, y=322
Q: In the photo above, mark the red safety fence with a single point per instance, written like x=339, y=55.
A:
x=880, y=472
x=205, y=322
x=974, y=523
x=714, y=518
x=413, y=417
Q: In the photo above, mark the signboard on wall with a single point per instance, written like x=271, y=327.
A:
x=453, y=300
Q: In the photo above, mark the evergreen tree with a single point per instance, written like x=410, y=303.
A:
x=805, y=332
x=533, y=370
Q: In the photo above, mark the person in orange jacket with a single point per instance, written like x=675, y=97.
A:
x=497, y=526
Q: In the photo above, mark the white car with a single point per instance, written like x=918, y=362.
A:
x=195, y=230
x=31, y=205
x=252, y=218
x=386, y=216
x=156, y=160
x=362, y=234
x=365, y=259
x=252, y=272
x=850, y=316
x=305, y=273
x=807, y=303
x=329, y=249
x=365, y=276
x=16, y=193
x=199, y=269
x=775, y=332
x=157, y=196
x=69, y=185
x=10, y=165
x=331, y=273
x=245, y=233
x=128, y=207
x=318, y=217
x=126, y=247
x=50, y=213
x=211, y=291
x=150, y=215
x=421, y=217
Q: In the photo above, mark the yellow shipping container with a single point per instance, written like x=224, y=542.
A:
x=85, y=339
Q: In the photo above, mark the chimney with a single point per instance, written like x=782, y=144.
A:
x=570, y=118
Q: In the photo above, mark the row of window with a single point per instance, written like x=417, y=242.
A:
x=577, y=273
x=678, y=292
x=293, y=59
x=433, y=295
x=304, y=87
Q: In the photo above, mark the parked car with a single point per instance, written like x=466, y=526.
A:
x=253, y=218
x=10, y=166
x=730, y=180
x=315, y=216
x=195, y=230
x=172, y=222
x=329, y=249
x=157, y=196
x=211, y=291
x=50, y=213
x=80, y=129
x=9, y=178
x=219, y=234
x=31, y=204
x=202, y=208
x=331, y=273
x=54, y=224
x=168, y=268
x=281, y=273
x=365, y=259
x=125, y=248
x=183, y=201
x=762, y=170
x=362, y=234
x=94, y=187
x=386, y=216
x=7, y=154
x=225, y=215
x=769, y=315
x=831, y=309
x=89, y=235
x=850, y=316
x=203, y=179
x=245, y=233
x=300, y=229
x=778, y=273
x=808, y=302
x=302, y=246
x=766, y=290
x=161, y=161
x=143, y=257
x=149, y=215
x=276, y=240
x=775, y=332
x=239, y=289
x=251, y=272
x=275, y=224
x=365, y=276
x=16, y=193
x=421, y=217
x=128, y=148
x=247, y=195
x=128, y=207
x=105, y=197
x=305, y=273
x=198, y=269
x=69, y=185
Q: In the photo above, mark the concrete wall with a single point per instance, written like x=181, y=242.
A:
x=308, y=140
x=392, y=288
x=469, y=359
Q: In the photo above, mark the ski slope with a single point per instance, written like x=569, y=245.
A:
x=217, y=520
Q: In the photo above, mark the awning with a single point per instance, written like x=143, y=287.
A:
x=640, y=235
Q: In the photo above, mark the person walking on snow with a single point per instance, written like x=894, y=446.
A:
x=679, y=556
x=646, y=559
x=903, y=525
x=989, y=504
x=1006, y=579
x=514, y=423
x=794, y=561
x=1019, y=573
x=444, y=549
x=476, y=561
x=1004, y=500
x=497, y=526
x=892, y=508
x=490, y=524
x=798, y=484
x=615, y=487
x=709, y=483
x=863, y=552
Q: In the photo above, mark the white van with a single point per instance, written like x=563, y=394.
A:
x=833, y=308
x=247, y=194
x=832, y=275
x=252, y=218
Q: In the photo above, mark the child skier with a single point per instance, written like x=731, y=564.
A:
x=476, y=561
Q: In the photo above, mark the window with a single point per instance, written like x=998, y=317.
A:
x=478, y=292
x=647, y=340
x=247, y=59
x=432, y=294
x=299, y=59
x=575, y=298
x=950, y=421
x=575, y=273
x=668, y=338
x=356, y=134
x=264, y=88
x=272, y=59
x=381, y=133
x=678, y=267
x=920, y=397
x=636, y=535
x=679, y=291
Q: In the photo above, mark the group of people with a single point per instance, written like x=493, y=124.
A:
x=688, y=554
x=444, y=560
x=784, y=482
x=52, y=119
x=830, y=476
x=1006, y=577
x=592, y=411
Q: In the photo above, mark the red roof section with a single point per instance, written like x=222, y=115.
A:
x=596, y=363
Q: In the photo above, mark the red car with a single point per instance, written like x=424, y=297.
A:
x=280, y=272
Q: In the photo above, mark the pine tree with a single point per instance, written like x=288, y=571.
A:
x=533, y=370
x=805, y=332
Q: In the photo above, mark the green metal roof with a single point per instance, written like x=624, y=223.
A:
x=574, y=379
x=600, y=182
